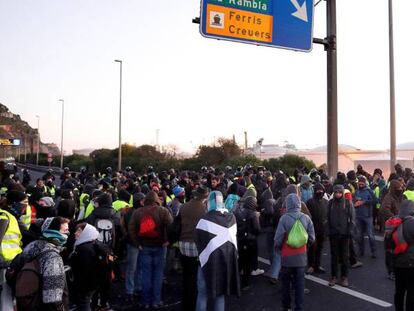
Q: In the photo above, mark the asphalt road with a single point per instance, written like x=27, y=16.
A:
x=369, y=290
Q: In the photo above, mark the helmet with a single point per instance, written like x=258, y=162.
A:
x=204, y=169
x=228, y=168
x=247, y=167
x=66, y=169
x=83, y=169
x=109, y=170
x=128, y=169
x=150, y=169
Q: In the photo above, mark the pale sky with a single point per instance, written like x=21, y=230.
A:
x=192, y=88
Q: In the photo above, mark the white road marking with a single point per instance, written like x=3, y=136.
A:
x=345, y=290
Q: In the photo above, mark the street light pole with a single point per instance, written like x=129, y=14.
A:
x=332, y=108
x=393, y=143
x=38, y=140
x=61, y=138
x=120, y=115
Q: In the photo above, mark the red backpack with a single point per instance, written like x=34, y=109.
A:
x=394, y=241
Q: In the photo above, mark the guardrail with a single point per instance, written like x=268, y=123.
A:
x=39, y=168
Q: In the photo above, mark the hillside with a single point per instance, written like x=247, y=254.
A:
x=12, y=126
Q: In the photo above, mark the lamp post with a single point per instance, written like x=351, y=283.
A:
x=38, y=140
x=120, y=115
x=393, y=151
x=61, y=137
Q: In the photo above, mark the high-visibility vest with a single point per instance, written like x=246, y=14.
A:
x=131, y=200
x=10, y=245
x=377, y=193
x=119, y=204
x=51, y=191
x=169, y=199
x=82, y=199
x=26, y=219
x=89, y=209
x=3, y=190
x=409, y=194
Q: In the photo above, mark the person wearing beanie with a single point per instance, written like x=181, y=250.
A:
x=147, y=229
x=190, y=214
x=85, y=267
x=248, y=228
x=178, y=201
x=306, y=188
x=318, y=207
x=218, y=272
x=47, y=252
x=340, y=224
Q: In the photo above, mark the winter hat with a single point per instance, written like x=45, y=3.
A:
x=152, y=198
x=319, y=187
x=215, y=201
x=351, y=175
x=47, y=201
x=250, y=203
x=177, y=191
x=338, y=188
x=200, y=193
x=47, y=223
x=137, y=199
x=104, y=200
x=15, y=196
x=362, y=179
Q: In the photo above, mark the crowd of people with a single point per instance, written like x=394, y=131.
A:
x=64, y=245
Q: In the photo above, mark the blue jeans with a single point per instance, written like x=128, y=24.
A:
x=133, y=277
x=293, y=276
x=365, y=226
x=276, y=261
x=219, y=302
x=152, y=262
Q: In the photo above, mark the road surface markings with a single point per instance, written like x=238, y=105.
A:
x=345, y=290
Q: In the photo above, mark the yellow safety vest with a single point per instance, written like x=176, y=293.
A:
x=10, y=245
x=131, y=200
x=89, y=209
x=51, y=191
x=409, y=194
x=26, y=219
x=377, y=193
x=169, y=199
x=82, y=198
x=118, y=205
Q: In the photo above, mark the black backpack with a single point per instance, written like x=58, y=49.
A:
x=242, y=223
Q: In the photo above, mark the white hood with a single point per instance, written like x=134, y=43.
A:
x=88, y=234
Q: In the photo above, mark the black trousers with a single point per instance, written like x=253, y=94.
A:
x=247, y=260
x=339, y=254
x=190, y=268
x=404, y=287
x=83, y=300
x=315, y=252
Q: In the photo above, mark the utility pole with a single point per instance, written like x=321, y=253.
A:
x=120, y=116
x=245, y=141
x=393, y=140
x=332, y=109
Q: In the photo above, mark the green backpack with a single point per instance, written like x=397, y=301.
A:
x=298, y=236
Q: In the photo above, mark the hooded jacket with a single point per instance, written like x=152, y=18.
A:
x=306, y=188
x=406, y=259
x=84, y=260
x=293, y=257
x=340, y=215
x=368, y=197
x=52, y=271
x=295, y=190
x=390, y=205
x=269, y=211
x=318, y=208
x=248, y=226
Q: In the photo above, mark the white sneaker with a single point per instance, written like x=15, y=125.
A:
x=257, y=272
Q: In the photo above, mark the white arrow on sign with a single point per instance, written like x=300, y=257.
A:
x=301, y=11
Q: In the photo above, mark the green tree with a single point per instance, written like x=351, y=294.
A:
x=288, y=163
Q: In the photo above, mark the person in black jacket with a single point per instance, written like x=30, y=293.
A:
x=104, y=211
x=84, y=265
x=248, y=228
x=318, y=207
